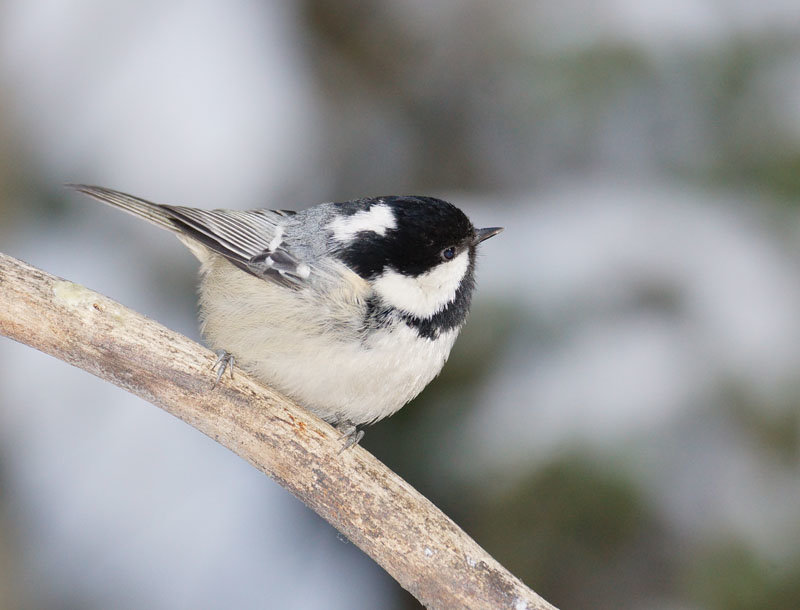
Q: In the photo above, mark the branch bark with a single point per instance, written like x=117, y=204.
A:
x=406, y=534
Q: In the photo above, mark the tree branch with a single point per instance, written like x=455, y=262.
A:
x=406, y=534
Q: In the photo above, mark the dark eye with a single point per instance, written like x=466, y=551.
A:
x=448, y=253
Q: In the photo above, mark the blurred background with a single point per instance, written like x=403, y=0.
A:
x=619, y=423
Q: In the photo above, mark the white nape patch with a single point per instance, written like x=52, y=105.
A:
x=427, y=294
x=276, y=241
x=377, y=219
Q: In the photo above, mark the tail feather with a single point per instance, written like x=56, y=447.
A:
x=151, y=212
x=251, y=240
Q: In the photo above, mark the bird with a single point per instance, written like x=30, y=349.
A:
x=350, y=308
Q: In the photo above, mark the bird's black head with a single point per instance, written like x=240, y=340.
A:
x=419, y=234
x=417, y=252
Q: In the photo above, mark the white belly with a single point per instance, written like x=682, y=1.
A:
x=314, y=352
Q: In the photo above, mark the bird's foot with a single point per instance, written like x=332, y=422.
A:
x=224, y=361
x=350, y=433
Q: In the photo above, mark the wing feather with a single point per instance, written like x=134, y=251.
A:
x=252, y=239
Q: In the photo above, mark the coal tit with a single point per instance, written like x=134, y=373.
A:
x=350, y=308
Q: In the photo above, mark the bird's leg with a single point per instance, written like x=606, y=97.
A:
x=224, y=361
x=350, y=433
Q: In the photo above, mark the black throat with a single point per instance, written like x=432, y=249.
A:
x=452, y=316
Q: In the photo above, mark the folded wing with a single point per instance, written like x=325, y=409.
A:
x=252, y=240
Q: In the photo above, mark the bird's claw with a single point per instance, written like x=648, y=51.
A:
x=224, y=361
x=350, y=433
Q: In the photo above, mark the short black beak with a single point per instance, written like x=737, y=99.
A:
x=484, y=234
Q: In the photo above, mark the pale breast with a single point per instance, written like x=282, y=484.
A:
x=314, y=349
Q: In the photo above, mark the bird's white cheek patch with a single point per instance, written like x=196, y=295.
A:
x=427, y=294
x=378, y=219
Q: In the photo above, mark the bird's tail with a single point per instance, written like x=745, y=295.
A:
x=151, y=212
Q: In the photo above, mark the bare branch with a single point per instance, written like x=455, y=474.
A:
x=416, y=543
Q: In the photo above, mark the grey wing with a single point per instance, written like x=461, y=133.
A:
x=252, y=240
